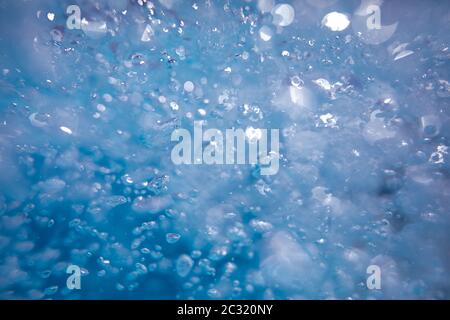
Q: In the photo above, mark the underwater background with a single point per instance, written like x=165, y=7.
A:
x=86, y=177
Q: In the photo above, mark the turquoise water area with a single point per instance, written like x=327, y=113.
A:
x=88, y=106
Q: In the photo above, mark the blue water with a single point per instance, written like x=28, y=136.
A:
x=86, y=177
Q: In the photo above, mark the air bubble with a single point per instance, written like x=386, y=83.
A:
x=184, y=265
x=172, y=238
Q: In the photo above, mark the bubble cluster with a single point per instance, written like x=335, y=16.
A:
x=87, y=179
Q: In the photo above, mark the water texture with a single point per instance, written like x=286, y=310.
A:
x=86, y=176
